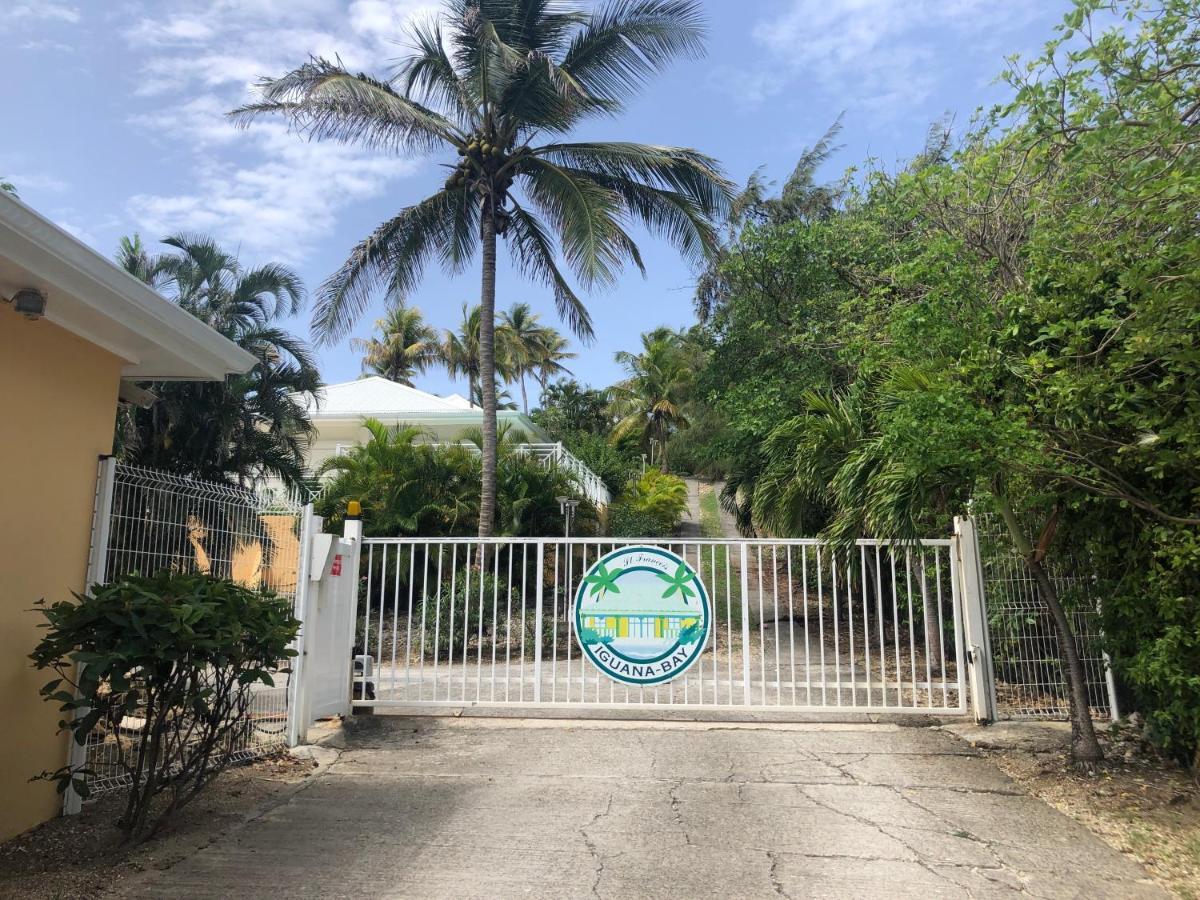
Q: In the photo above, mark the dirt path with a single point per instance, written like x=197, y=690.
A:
x=689, y=526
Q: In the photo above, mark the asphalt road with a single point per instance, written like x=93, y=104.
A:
x=478, y=807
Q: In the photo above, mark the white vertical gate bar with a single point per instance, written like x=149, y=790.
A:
x=862, y=561
x=791, y=625
x=960, y=662
x=537, y=624
x=437, y=620
x=879, y=621
x=450, y=627
x=837, y=637
x=778, y=630
x=745, y=578
x=821, y=620
x=807, y=653
x=303, y=582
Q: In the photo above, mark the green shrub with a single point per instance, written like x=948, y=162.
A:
x=458, y=617
x=651, y=506
x=615, y=465
x=178, y=653
x=624, y=521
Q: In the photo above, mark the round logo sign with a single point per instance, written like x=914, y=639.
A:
x=641, y=615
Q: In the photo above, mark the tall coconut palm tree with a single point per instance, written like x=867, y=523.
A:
x=406, y=345
x=248, y=426
x=650, y=401
x=461, y=352
x=551, y=352
x=529, y=345
x=488, y=80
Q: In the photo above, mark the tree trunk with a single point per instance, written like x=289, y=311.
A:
x=1084, y=746
x=524, y=397
x=487, y=371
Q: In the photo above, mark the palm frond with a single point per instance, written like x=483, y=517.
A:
x=396, y=251
x=322, y=100
x=534, y=250
x=627, y=41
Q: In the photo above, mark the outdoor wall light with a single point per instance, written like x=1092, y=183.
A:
x=30, y=302
x=566, y=506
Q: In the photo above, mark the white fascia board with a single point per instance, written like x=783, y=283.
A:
x=93, y=297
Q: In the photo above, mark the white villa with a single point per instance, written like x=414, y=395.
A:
x=338, y=411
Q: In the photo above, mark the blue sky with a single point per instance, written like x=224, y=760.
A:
x=116, y=125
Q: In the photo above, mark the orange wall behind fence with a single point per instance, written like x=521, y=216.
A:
x=58, y=400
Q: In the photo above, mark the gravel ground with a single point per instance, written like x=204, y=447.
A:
x=1136, y=802
x=83, y=856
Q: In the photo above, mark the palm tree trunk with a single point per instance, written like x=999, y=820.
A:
x=487, y=372
x=524, y=397
x=1084, y=746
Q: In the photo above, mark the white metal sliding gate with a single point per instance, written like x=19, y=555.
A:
x=796, y=624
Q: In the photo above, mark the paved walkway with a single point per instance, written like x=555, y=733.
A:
x=468, y=808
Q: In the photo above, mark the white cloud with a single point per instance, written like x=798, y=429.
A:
x=279, y=205
x=40, y=11
x=884, y=55
x=263, y=188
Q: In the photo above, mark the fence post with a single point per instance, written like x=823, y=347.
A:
x=303, y=587
x=537, y=625
x=352, y=530
x=97, y=572
x=745, y=570
x=981, y=676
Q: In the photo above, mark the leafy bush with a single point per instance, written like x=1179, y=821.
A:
x=171, y=658
x=407, y=487
x=624, y=521
x=615, y=465
x=459, y=616
x=650, y=506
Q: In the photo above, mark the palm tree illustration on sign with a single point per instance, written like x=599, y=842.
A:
x=603, y=581
x=678, y=582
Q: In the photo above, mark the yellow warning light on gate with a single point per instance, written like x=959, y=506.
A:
x=353, y=509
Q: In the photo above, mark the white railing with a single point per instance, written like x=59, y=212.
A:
x=558, y=456
x=796, y=624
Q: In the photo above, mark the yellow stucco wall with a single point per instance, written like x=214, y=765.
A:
x=59, y=396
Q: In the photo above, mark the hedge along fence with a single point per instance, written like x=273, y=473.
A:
x=148, y=521
x=162, y=671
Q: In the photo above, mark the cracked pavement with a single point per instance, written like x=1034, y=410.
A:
x=476, y=807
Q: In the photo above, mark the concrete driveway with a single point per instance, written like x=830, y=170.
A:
x=491, y=808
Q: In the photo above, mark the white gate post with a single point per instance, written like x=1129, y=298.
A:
x=980, y=673
x=537, y=626
x=745, y=567
x=303, y=586
x=97, y=572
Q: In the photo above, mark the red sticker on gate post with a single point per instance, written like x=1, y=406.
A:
x=336, y=568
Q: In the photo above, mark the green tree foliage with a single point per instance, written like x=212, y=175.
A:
x=179, y=653
x=249, y=426
x=570, y=408
x=580, y=418
x=409, y=486
x=649, y=404
x=484, y=79
x=1012, y=320
x=406, y=345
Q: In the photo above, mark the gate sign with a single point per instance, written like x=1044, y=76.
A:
x=641, y=615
